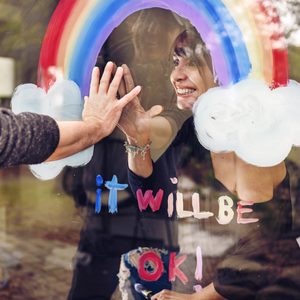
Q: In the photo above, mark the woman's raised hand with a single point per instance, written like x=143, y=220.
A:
x=135, y=122
x=102, y=109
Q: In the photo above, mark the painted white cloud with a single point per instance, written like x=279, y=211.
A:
x=260, y=125
x=63, y=103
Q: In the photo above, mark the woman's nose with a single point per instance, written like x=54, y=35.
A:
x=179, y=73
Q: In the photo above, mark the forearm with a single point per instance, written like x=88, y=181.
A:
x=208, y=293
x=75, y=136
x=101, y=113
x=160, y=136
x=26, y=138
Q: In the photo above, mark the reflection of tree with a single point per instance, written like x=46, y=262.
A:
x=22, y=28
x=294, y=8
x=294, y=61
x=290, y=16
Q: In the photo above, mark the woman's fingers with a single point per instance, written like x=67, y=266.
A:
x=94, y=81
x=122, y=89
x=114, y=85
x=114, y=68
x=129, y=83
x=105, y=79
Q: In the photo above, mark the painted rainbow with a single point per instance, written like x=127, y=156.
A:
x=243, y=36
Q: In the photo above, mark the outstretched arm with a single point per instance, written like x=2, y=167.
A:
x=142, y=128
x=29, y=138
x=101, y=113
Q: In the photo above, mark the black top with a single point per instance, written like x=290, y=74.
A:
x=26, y=138
x=165, y=167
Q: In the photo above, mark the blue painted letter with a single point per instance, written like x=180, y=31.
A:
x=113, y=187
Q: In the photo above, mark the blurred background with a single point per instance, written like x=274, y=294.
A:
x=41, y=222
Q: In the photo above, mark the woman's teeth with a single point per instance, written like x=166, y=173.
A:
x=185, y=91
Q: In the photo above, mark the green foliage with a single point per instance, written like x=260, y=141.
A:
x=22, y=28
x=294, y=62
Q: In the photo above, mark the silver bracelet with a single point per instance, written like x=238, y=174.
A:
x=134, y=150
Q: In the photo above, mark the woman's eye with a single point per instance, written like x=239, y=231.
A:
x=176, y=62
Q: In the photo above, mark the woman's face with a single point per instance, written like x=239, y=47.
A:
x=187, y=81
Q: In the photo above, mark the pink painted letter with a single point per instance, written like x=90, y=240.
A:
x=156, y=263
x=174, y=270
x=240, y=211
x=148, y=199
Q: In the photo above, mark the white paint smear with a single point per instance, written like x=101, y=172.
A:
x=63, y=103
x=259, y=124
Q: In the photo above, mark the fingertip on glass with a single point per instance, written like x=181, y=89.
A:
x=119, y=69
x=109, y=64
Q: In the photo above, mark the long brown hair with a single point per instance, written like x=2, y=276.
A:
x=189, y=45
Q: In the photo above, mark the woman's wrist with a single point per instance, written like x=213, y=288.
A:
x=139, y=159
x=137, y=150
x=138, y=141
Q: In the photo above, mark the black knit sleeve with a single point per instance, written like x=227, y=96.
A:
x=26, y=138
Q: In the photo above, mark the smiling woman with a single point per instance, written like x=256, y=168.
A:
x=267, y=188
x=192, y=74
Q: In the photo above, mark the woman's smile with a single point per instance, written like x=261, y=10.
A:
x=187, y=84
x=184, y=91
